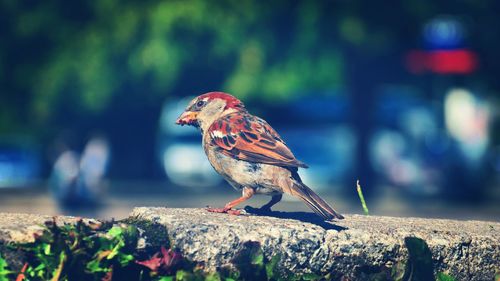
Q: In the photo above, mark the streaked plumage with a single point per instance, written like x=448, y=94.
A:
x=247, y=137
x=249, y=153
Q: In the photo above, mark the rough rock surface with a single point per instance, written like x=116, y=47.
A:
x=21, y=228
x=354, y=247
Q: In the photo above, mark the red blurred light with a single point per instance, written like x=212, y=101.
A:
x=442, y=61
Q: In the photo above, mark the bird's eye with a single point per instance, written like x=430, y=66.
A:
x=200, y=103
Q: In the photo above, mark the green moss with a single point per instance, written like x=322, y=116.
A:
x=444, y=277
x=420, y=264
x=157, y=233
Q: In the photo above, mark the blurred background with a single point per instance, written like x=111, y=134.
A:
x=402, y=95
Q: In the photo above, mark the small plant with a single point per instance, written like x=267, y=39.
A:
x=79, y=251
x=441, y=276
x=4, y=271
x=362, y=198
x=420, y=265
x=108, y=252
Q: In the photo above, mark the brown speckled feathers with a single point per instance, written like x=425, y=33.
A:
x=247, y=137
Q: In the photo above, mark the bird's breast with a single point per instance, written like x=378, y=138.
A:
x=241, y=172
x=263, y=178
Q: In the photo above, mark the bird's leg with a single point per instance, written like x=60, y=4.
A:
x=246, y=194
x=275, y=199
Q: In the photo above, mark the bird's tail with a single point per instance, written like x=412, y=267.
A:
x=318, y=205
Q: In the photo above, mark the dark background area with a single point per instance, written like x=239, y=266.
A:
x=402, y=95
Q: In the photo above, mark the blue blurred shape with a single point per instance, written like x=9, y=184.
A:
x=19, y=165
x=329, y=151
x=444, y=32
x=180, y=151
x=318, y=132
x=417, y=143
x=78, y=181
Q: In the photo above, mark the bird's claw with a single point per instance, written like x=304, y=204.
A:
x=234, y=212
x=216, y=210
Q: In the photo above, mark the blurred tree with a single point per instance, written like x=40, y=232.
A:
x=109, y=64
x=83, y=55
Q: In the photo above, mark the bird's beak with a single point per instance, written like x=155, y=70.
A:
x=187, y=118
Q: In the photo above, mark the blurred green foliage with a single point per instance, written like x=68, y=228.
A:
x=77, y=57
x=81, y=54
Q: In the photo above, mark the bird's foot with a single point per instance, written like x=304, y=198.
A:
x=224, y=210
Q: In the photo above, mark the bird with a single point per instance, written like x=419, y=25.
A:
x=249, y=154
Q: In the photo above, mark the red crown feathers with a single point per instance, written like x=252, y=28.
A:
x=231, y=102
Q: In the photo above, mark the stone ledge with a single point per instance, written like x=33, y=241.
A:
x=467, y=250
x=20, y=228
x=358, y=245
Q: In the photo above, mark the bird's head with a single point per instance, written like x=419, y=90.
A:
x=203, y=110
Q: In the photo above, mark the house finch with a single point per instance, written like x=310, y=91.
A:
x=249, y=153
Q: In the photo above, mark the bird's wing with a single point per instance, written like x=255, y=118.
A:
x=247, y=137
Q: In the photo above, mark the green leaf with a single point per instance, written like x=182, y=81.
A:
x=249, y=262
x=95, y=266
x=116, y=250
x=3, y=264
x=125, y=259
x=362, y=198
x=115, y=231
x=3, y=270
x=46, y=249
x=166, y=278
x=39, y=267
x=272, y=265
x=182, y=275
x=420, y=260
x=310, y=277
x=213, y=277
x=441, y=276
x=56, y=274
x=258, y=257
